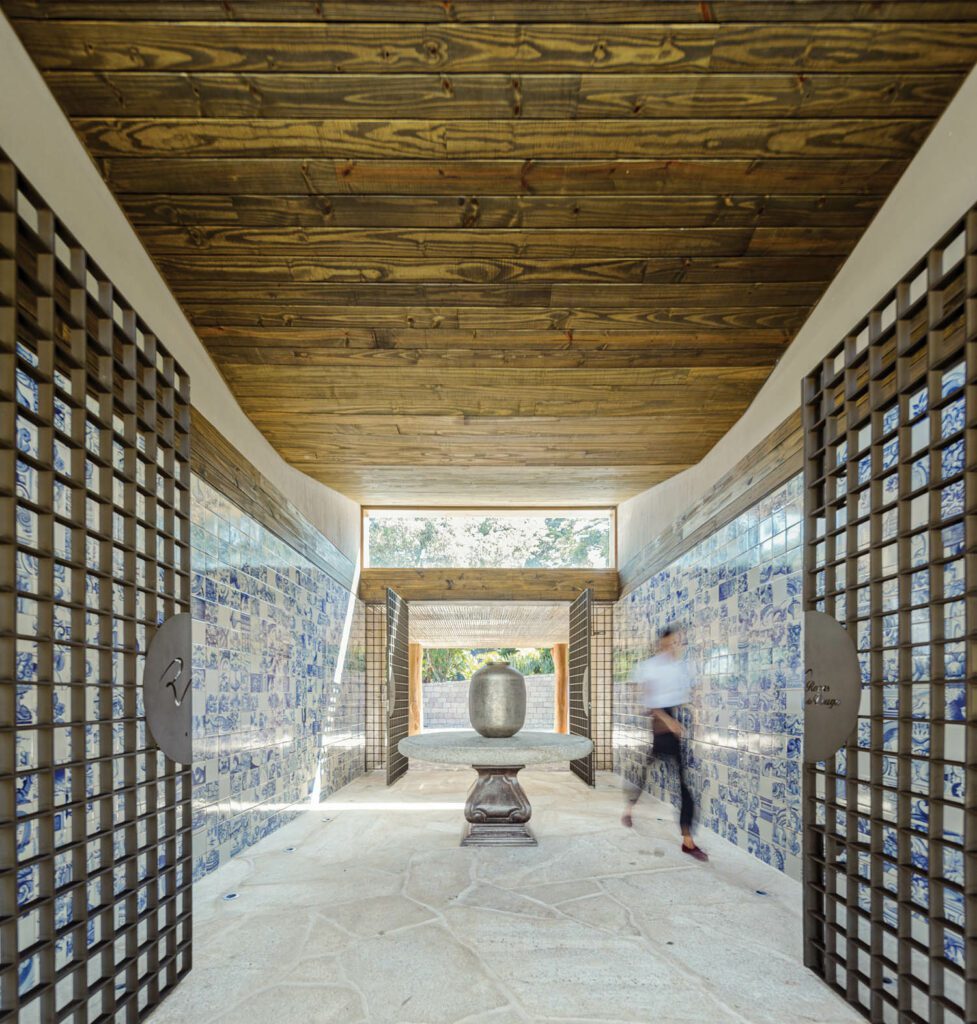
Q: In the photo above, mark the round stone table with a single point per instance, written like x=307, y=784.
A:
x=497, y=809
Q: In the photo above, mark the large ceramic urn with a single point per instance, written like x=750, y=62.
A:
x=497, y=700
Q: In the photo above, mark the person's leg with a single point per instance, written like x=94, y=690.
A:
x=686, y=809
x=669, y=750
x=687, y=806
x=632, y=792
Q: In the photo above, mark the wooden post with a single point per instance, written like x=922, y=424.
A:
x=561, y=704
x=415, y=658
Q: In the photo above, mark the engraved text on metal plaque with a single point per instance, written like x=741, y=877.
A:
x=832, y=686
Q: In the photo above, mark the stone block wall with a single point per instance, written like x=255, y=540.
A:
x=446, y=704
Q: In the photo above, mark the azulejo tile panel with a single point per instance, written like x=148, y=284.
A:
x=739, y=596
x=279, y=681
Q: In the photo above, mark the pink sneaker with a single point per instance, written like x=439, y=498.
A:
x=694, y=851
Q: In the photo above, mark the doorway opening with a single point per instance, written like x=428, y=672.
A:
x=445, y=673
x=450, y=640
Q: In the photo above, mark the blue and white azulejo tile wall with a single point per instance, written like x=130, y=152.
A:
x=739, y=596
x=279, y=681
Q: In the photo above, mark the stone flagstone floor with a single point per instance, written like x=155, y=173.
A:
x=376, y=915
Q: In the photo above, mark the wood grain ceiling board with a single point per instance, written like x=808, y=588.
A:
x=492, y=251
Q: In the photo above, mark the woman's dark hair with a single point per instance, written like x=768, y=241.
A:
x=672, y=629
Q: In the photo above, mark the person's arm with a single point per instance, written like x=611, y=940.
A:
x=672, y=724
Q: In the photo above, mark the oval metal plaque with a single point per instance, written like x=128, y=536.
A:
x=167, y=687
x=832, y=686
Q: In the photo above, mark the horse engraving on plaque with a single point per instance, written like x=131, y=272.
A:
x=166, y=684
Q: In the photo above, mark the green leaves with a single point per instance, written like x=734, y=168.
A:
x=441, y=665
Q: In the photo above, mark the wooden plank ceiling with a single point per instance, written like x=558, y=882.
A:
x=490, y=251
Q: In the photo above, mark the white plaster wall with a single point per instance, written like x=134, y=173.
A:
x=38, y=137
x=938, y=187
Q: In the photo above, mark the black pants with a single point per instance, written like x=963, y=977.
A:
x=668, y=748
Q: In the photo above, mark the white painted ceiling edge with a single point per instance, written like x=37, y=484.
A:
x=38, y=137
x=936, y=190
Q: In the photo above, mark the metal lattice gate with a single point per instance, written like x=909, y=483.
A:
x=398, y=683
x=95, y=869
x=890, y=822
x=579, y=680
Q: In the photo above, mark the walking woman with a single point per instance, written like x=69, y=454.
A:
x=665, y=688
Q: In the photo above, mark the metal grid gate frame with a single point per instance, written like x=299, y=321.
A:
x=376, y=686
x=890, y=823
x=579, y=681
x=95, y=847
x=602, y=684
x=398, y=683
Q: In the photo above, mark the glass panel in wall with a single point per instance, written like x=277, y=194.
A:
x=890, y=822
x=488, y=538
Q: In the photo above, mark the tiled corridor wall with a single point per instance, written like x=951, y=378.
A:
x=279, y=680
x=738, y=593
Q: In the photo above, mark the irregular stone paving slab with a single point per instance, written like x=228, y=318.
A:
x=378, y=917
x=320, y=1004
x=421, y=975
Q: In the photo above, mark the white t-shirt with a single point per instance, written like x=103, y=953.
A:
x=665, y=681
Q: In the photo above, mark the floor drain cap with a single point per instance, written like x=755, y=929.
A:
x=230, y=896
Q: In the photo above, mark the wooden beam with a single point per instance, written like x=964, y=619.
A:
x=317, y=176
x=499, y=96
x=320, y=396
x=192, y=266
x=350, y=47
x=572, y=243
x=561, y=703
x=463, y=11
x=649, y=428
x=334, y=403
x=682, y=317
x=310, y=344
x=488, y=584
x=306, y=298
x=489, y=211
x=415, y=698
x=572, y=451
x=541, y=350
x=663, y=139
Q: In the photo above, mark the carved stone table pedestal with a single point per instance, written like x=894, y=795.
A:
x=497, y=810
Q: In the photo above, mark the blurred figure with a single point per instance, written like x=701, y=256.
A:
x=665, y=688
